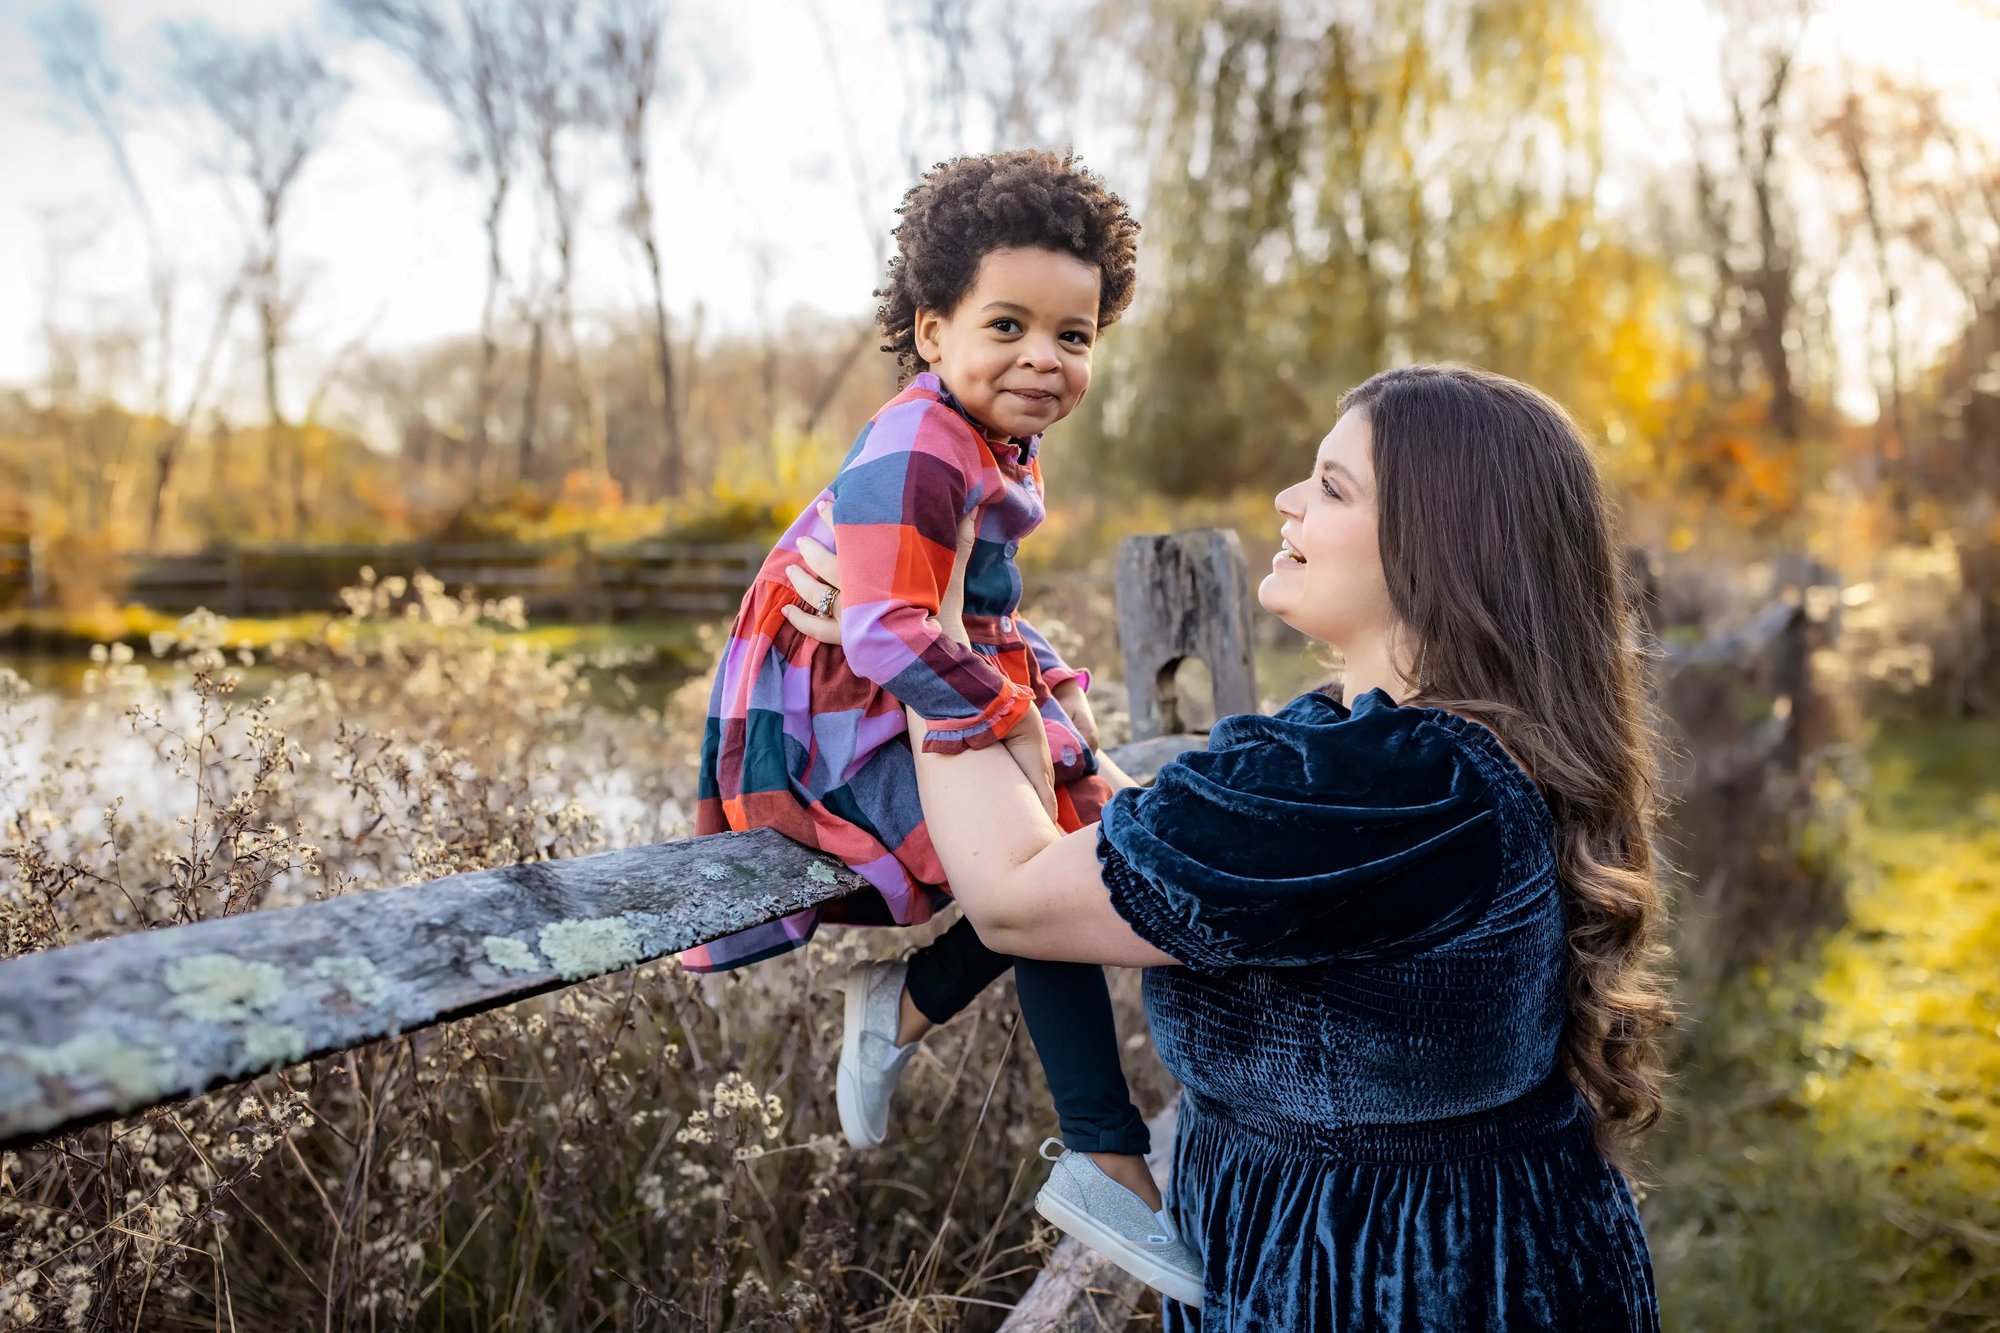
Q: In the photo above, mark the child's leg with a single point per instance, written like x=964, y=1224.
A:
x=946, y=974
x=1068, y=1009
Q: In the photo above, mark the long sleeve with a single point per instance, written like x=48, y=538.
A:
x=896, y=507
x=1072, y=757
x=1054, y=670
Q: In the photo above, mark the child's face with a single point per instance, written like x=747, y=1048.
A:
x=1016, y=351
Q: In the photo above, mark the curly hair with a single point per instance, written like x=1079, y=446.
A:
x=1499, y=547
x=965, y=209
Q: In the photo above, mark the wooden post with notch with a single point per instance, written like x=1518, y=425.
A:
x=1185, y=595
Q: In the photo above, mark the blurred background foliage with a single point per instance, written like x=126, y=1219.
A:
x=1325, y=192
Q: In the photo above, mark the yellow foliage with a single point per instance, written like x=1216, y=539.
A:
x=1835, y=1157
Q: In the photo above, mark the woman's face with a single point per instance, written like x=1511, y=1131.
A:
x=1326, y=580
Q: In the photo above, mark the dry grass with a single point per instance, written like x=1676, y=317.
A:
x=651, y=1150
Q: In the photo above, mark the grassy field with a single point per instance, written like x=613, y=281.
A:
x=1835, y=1160
x=51, y=649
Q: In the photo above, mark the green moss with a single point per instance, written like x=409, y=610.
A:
x=222, y=988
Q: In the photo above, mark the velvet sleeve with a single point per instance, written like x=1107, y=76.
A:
x=896, y=506
x=1311, y=836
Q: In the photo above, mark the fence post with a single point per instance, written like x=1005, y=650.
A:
x=1181, y=596
x=583, y=581
x=234, y=595
x=38, y=572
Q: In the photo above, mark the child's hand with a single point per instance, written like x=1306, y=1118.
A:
x=1028, y=746
x=1074, y=702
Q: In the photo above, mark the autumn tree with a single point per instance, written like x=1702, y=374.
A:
x=273, y=97
x=629, y=36
x=460, y=50
x=1331, y=194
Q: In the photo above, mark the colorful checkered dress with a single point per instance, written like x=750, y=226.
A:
x=808, y=738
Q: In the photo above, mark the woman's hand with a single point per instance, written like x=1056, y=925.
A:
x=818, y=583
x=1074, y=702
x=1028, y=745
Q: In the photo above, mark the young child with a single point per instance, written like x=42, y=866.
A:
x=1008, y=267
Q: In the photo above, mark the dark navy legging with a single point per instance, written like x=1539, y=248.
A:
x=1068, y=1009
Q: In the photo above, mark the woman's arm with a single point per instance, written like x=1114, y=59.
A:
x=1107, y=768
x=1028, y=888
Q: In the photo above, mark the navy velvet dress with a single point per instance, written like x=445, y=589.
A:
x=1375, y=1132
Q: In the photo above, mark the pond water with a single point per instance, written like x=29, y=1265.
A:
x=69, y=745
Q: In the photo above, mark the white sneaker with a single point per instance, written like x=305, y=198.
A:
x=870, y=1059
x=1089, y=1205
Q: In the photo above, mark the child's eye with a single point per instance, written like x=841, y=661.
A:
x=1006, y=325
x=1079, y=337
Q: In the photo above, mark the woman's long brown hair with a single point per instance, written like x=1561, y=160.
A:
x=1498, y=546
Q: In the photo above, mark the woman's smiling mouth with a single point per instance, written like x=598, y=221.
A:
x=1286, y=555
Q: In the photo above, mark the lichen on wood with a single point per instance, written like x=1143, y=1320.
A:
x=580, y=949
x=355, y=973
x=510, y=955
x=222, y=988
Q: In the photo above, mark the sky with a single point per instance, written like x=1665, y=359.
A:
x=774, y=183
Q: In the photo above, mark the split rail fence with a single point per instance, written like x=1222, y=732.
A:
x=568, y=580
x=112, y=1027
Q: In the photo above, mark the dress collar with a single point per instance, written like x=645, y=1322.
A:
x=1025, y=449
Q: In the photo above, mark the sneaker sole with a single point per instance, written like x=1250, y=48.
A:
x=1169, y=1282
x=847, y=1077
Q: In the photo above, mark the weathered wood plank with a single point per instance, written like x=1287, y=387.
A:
x=1144, y=759
x=1747, y=643
x=1181, y=596
x=101, y=1029
x=1080, y=1289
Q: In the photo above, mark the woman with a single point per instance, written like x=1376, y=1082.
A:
x=1402, y=954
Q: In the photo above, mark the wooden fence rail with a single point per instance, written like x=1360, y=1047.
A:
x=571, y=579
x=108, y=1028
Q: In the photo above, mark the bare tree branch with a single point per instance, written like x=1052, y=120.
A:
x=458, y=49
x=629, y=39
x=273, y=97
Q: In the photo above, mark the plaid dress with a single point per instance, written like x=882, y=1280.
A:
x=809, y=738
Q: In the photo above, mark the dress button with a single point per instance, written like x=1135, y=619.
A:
x=1069, y=756
x=1006, y=625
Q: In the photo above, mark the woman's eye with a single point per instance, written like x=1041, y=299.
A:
x=1327, y=485
x=1005, y=325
